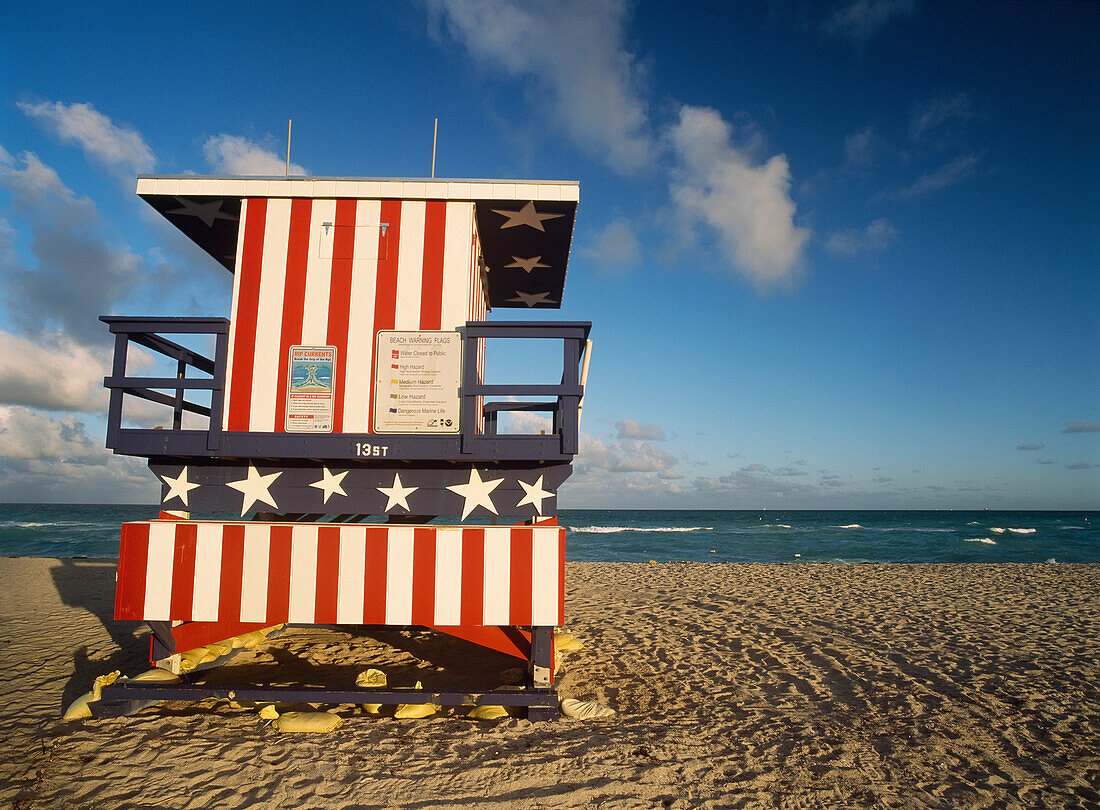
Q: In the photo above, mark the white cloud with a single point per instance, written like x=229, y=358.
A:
x=27, y=435
x=230, y=154
x=944, y=177
x=748, y=206
x=625, y=456
x=1082, y=426
x=629, y=429
x=52, y=372
x=933, y=115
x=115, y=147
x=860, y=148
x=616, y=246
x=1030, y=446
x=860, y=20
x=573, y=50
x=875, y=238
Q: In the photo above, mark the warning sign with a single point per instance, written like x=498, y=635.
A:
x=309, y=389
x=417, y=378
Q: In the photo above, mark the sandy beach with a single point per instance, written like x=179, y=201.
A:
x=734, y=686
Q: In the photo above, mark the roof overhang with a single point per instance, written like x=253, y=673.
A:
x=525, y=226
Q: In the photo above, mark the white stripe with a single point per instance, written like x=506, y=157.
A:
x=269, y=317
x=410, y=265
x=303, y=573
x=498, y=553
x=257, y=549
x=457, y=265
x=233, y=315
x=448, y=576
x=158, y=572
x=208, y=572
x=358, y=371
x=353, y=566
x=545, y=576
x=399, y=575
x=318, y=277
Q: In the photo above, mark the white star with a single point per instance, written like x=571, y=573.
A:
x=525, y=216
x=207, y=211
x=527, y=264
x=476, y=493
x=254, y=488
x=398, y=495
x=535, y=495
x=178, y=487
x=532, y=298
x=330, y=483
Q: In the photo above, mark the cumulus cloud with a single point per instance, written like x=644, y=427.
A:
x=875, y=238
x=748, y=206
x=629, y=429
x=616, y=246
x=860, y=20
x=76, y=274
x=1082, y=426
x=230, y=154
x=27, y=435
x=860, y=148
x=118, y=148
x=1030, y=446
x=1081, y=465
x=754, y=468
x=52, y=372
x=944, y=177
x=670, y=475
x=627, y=456
x=574, y=52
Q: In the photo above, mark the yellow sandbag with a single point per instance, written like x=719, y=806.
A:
x=79, y=709
x=269, y=712
x=565, y=642
x=192, y=658
x=488, y=713
x=308, y=722
x=250, y=640
x=375, y=678
x=157, y=676
x=414, y=711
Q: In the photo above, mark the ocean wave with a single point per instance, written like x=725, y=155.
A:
x=985, y=540
x=973, y=523
x=849, y=526
x=775, y=526
x=617, y=529
x=996, y=530
x=1022, y=531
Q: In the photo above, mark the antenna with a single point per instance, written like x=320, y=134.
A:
x=435, y=134
x=289, y=121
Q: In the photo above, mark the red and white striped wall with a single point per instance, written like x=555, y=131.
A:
x=340, y=573
x=328, y=272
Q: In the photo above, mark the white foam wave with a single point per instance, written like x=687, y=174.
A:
x=1022, y=531
x=776, y=526
x=973, y=523
x=986, y=540
x=617, y=529
x=849, y=526
x=996, y=530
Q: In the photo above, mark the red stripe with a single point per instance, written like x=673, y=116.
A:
x=278, y=574
x=133, y=560
x=519, y=592
x=561, y=574
x=473, y=577
x=248, y=304
x=423, y=585
x=431, y=284
x=374, y=576
x=385, y=288
x=339, y=301
x=294, y=298
x=183, y=572
x=328, y=574
x=232, y=576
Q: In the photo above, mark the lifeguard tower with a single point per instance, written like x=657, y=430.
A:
x=344, y=407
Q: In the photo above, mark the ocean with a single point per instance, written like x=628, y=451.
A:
x=616, y=535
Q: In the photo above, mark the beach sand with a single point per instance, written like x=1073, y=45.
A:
x=735, y=685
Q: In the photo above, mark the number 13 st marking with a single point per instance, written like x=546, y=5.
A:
x=375, y=450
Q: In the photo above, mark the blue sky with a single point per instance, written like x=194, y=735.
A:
x=837, y=255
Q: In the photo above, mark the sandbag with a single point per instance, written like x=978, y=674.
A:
x=374, y=678
x=192, y=658
x=307, y=722
x=584, y=709
x=156, y=676
x=79, y=709
x=488, y=713
x=414, y=711
x=566, y=642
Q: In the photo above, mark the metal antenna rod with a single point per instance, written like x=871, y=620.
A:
x=289, y=121
x=435, y=134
